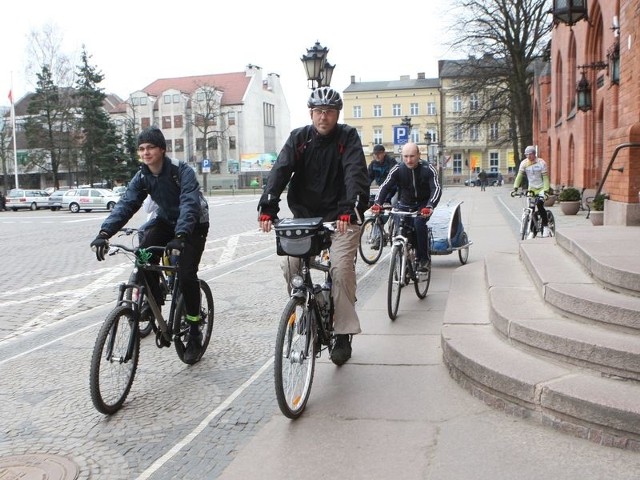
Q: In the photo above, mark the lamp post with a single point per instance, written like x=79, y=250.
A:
x=428, y=139
x=319, y=70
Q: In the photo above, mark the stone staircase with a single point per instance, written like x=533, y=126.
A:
x=555, y=332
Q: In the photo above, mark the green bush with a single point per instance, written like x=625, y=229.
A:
x=598, y=202
x=569, y=194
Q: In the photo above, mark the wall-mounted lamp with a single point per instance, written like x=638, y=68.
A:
x=584, y=87
x=613, y=57
x=569, y=12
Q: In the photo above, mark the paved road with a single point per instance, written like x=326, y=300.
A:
x=391, y=412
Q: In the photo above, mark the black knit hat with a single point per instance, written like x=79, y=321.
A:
x=154, y=136
x=378, y=148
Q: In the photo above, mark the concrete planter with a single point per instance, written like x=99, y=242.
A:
x=596, y=217
x=570, y=207
x=550, y=200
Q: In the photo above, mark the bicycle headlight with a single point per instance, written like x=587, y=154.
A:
x=297, y=281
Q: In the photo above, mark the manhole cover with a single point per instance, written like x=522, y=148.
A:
x=37, y=467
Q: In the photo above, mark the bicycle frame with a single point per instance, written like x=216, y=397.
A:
x=401, y=239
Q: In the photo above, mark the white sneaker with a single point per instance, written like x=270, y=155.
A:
x=546, y=232
x=530, y=236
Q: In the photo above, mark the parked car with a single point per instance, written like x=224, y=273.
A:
x=493, y=179
x=119, y=190
x=88, y=199
x=55, y=199
x=24, y=198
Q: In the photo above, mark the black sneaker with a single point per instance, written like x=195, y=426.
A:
x=194, y=347
x=423, y=266
x=341, y=350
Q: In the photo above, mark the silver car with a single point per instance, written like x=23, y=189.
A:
x=20, y=198
x=88, y=199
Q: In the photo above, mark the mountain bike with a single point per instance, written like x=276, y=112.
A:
x=530, y=222
x=117, y=348
x=376, y=232
x=306, y=325
x=403, y=268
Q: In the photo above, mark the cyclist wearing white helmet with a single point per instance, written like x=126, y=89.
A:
x=324, y=167
x=535, y=169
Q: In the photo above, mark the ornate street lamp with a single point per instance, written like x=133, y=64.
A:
x=569, y=12
x=319, y=70
x=583, y=88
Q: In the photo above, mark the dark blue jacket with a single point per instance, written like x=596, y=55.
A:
x=378, y=171
x=175, y=190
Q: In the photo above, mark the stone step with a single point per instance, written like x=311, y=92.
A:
x=558, y=394
x=609, y=254
x=566, y=285
x=518, y=311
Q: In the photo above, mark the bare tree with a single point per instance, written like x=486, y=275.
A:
x=44, y=49
x=510, y=36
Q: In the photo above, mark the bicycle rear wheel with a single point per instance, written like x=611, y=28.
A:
x=295, y=358
x=395, y=282
x=525, y=226
x=551, y=223
x=371, y=241
x=422, y=281
x=463, y=253
x=146, y=321
x=181, y=325
x=114, y=360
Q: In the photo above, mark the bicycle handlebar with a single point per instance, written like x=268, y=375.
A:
x=527, y=193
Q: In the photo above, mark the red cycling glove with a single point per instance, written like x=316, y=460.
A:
x=426, y=212
x=345, y=218
x=376, y=209
x=264, y=218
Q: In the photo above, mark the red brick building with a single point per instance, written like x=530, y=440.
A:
x=600, y=55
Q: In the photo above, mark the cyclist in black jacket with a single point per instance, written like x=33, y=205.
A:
x=419, y=190
x=324, y=166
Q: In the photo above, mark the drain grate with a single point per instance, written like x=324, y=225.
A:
x=38, y=467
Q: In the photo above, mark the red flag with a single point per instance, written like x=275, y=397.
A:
x=11, y=96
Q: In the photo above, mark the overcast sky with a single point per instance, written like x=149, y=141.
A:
x=134, y=43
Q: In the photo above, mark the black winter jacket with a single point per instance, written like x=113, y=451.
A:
x=326, y=174
x=419, y=187
x=176, y=191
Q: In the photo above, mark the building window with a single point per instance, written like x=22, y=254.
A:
x=494, y=161
x=179, y=144
x=169, y=145
x=397, y=110
x=143, y=100
x=269, y=114
x=213, y=143
x=166, y=99
x=176, y=98
x=431, y=108
x=473, y=132
x=199, y=144
x=232, y=143
x=473, y=102
x=357, y=111
x=413, y=109
x=493, y=131
x=457, y=103
x=166, y=122
x=457, y=132
x=457, y=163
x=377, y=110
x=415, y=135
x=377, y=136
x=177, y=121
x=145, y=122
x=135, y=101
x=231, y=116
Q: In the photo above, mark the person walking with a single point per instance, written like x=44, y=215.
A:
x=482, y=176
x=536, y=173
x=324, y=167
x=418, y=190
x=181, y=222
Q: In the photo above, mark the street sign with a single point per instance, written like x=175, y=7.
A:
x=401, y=135
x=206, y=165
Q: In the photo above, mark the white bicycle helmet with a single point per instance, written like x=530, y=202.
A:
x=325, y=97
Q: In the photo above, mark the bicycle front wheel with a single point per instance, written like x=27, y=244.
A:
x=463, y=253
x=524, y=228
x=551, y=223
x=181, y=325
x=395, y=282
x=371, y=241
x=295, y=358
x=114, y=360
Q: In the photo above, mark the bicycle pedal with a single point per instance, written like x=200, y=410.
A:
x=161, y=341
